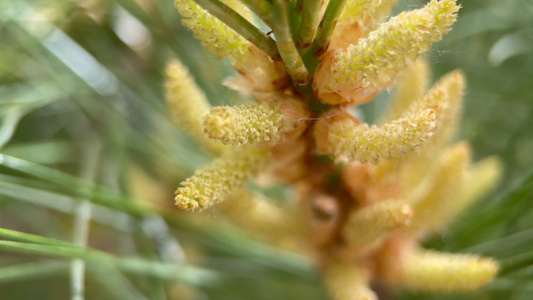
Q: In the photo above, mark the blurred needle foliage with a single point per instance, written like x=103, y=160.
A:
x=90, y=157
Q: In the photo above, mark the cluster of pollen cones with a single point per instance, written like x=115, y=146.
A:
x=364, y=194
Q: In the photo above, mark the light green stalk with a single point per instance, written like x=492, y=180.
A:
x=325, y=30
x=312, y=11
x=287, y=49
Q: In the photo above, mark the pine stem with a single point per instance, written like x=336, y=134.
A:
x=311, y=15
x=287, y=49
x=241, y=26
x=327, y=26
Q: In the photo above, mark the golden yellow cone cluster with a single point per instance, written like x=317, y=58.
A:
x=371, y=144
x=253, y=122
x=216, y=182
x=387, y=215
x=445, y=98
x=375, y=60
x=443, y=272
x=373, y=63
x=364, y=194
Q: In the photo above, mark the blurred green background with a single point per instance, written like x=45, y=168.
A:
x=88, y=148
